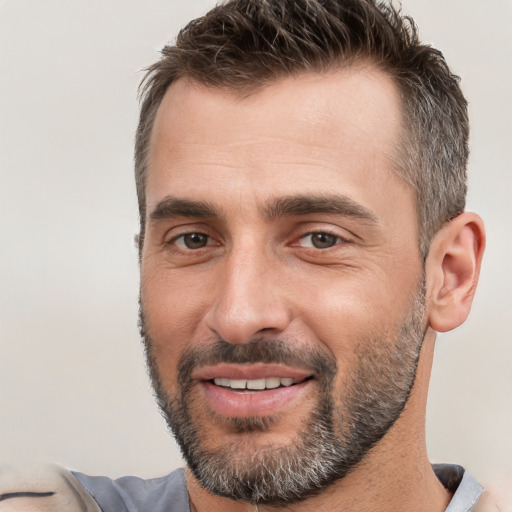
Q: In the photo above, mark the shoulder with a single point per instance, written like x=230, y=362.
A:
x=496, y=497
x=133, y=494
x=45, y=488
x=468, y=494
x=51, y=488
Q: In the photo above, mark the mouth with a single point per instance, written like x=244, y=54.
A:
x=248, y=385
x=258, y=390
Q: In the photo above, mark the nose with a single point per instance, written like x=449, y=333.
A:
x=249, y=298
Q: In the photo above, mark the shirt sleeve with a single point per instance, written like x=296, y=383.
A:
x=47, y=488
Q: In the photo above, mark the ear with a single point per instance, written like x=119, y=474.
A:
x=452, y=270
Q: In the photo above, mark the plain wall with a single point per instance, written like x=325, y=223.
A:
x=73, y=387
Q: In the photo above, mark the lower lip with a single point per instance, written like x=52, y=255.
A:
x=231, y=403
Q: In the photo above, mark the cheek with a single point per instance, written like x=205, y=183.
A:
x=172, y=316
x=344, y=304
x=344, y=313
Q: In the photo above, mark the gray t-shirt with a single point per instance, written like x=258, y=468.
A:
x=169, y=493
x=58, y=490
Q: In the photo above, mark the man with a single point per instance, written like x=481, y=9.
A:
x=301, y=175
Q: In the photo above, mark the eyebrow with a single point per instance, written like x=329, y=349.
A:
x=309, y=204
x=286, y=206
x=171, y=207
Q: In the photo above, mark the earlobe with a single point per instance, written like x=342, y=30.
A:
x=452, y=268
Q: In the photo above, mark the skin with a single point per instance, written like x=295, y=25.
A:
x=309, y=136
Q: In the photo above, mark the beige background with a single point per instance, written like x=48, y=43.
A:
x=72, y=381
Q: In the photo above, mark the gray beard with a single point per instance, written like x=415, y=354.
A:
x=338, y=434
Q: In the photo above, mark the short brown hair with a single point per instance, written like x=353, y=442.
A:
x=245, y=44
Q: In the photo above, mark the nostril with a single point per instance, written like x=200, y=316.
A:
x=238, y=317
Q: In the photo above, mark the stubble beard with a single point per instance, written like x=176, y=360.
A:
x=338, y=434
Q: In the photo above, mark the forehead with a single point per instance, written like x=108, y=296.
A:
x=299, y=132
x=353, y=99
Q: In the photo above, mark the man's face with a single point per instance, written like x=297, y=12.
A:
x=282, y=293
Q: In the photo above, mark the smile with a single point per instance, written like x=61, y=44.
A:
x=255, y=384
x=254, y=390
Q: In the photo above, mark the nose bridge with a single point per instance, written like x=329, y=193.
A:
x=249, y=298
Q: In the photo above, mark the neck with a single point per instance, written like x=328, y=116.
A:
x=395, y=475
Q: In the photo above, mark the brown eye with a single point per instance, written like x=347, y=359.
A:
x=192, y=240
x=323, y=240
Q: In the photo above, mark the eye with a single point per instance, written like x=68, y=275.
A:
x=320, y=240
x=191, y=241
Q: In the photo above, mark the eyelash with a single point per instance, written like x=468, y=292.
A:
x=173, y=240
x=338, y=240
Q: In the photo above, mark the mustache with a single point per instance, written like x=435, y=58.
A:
x=258, y=350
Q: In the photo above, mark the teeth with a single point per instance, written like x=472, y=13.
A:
x=238, y=384
x=268, y=383
x=256, y=384
x=272, y=382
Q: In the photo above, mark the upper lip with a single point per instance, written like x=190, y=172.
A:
x=249, y=372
